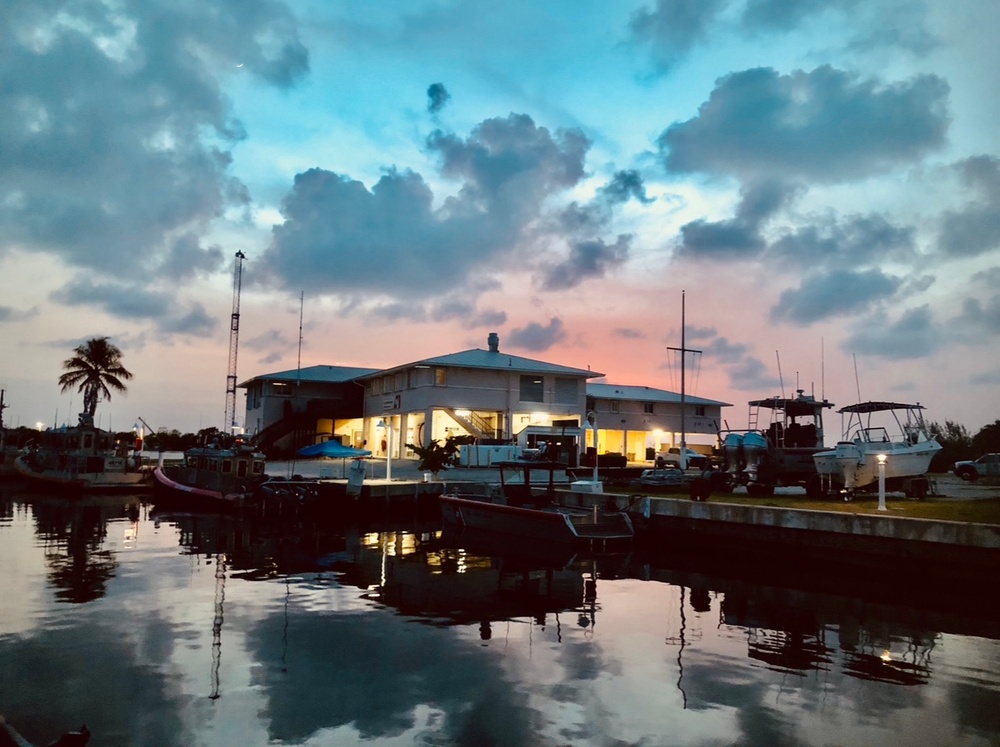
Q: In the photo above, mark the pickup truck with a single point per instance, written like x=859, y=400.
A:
x=988, y=465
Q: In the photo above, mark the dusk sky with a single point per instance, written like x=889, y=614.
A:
x=820, y=177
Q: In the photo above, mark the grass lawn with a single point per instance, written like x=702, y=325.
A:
x=980, y=511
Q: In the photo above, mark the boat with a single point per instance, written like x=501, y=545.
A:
x=780, y=451
x=83, y=458
x=899, y=439
x=519, y=509
x=211, y=476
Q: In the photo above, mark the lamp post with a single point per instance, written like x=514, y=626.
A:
x=387, y=424
x=881, y=482
x=592, y=423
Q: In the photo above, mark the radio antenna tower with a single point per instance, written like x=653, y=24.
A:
x=234, y=344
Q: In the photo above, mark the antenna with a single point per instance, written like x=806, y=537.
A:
x=781, y=379
x=822, y=369
x=298, y=365
x=234, y=344
x=857, y=382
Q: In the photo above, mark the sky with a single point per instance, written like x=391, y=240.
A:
x=815, y=184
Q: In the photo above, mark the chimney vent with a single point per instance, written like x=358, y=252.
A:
x=494, y=342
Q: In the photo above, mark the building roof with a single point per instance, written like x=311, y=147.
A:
x=646, y=394
x=490, y=359
x=322, y=374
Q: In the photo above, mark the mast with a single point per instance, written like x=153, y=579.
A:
x=234, y=343
x=684, y=350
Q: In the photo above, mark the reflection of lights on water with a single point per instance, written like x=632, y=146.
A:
x=886, y=656
x=131, y=534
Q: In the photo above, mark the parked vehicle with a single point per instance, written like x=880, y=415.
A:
x=672, y=458
x=988, y=465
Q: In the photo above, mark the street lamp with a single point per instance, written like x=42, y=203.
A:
x=881, y=482
x=387, y=424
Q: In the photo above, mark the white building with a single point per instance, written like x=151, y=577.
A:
x=491, y=396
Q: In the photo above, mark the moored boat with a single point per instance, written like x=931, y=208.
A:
x=520, y=510
x=212, y=476
x=899, y=440
x=83, y=458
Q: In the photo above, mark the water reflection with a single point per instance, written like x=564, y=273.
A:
x=273, y=628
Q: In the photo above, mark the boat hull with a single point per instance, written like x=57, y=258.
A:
x=854, y=465
x=118, y=478
x=171, y=488
x=555, y=526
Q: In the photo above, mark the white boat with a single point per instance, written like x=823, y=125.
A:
x=898, y=437
x=83, y=458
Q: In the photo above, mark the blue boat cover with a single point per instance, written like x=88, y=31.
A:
x=332, y=449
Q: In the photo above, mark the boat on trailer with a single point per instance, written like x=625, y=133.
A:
x=779, y=451
x=520, y=509
x=899, y=438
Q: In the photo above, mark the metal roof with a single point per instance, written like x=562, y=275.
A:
x=490, y=360
x=321, y=374
x=646, y=394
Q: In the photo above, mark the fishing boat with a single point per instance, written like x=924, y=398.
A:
x=897, y=439
x=83, y=458
x=777, y=449
x=211, y=476
x=521, y=510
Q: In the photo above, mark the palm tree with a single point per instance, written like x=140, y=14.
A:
x=95, y=369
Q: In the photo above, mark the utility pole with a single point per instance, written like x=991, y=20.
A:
x=234, y=344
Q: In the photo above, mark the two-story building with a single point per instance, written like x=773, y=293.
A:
x=488, y=395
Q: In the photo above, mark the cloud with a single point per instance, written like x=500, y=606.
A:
x=823, y=126
x=116, y=133
x=672, y=28
x=740, y=236
x=137, y=302
x=836, y=293
x=437, y=97
x=627, y=333
x=975, y=229
x=854, y=240
x=537, y=338
x=587, y=259
x=913, y=335
x=466, y=311
x=9, y=314
x=339, y=237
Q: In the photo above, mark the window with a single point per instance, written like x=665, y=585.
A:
x=281, y=390
x=648, y=408
x=398, y=381
x=566, y=390
x=440, y=377
x=613, y=405
x=532, y=389
x=700, y=411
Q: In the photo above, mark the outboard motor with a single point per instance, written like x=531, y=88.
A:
x=754, y=451
x=732, y=448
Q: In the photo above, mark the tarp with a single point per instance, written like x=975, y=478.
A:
x=333, y=450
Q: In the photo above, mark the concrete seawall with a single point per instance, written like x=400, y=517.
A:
x=843, y=538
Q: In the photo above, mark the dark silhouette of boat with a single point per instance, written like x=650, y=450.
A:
x=521, y=510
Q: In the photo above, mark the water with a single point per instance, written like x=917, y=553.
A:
x=196, y=631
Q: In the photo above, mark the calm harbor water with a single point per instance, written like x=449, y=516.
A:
x=172, y=630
